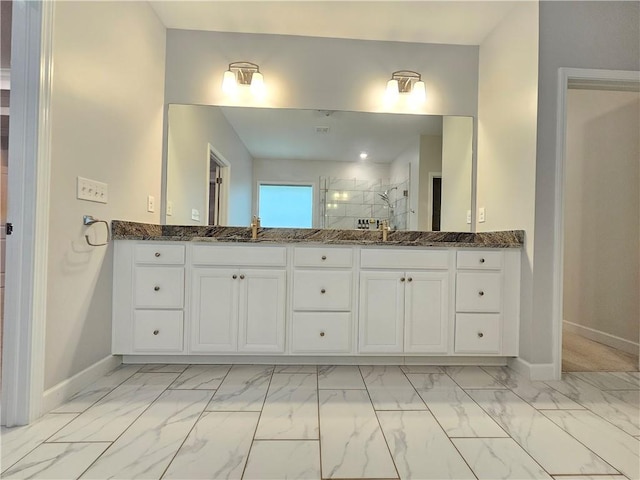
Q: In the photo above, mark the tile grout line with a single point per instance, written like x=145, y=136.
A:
x=255, y=430
x=319, y=428
x=375, y=413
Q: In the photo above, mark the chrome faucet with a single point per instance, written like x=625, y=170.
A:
x=255, y=225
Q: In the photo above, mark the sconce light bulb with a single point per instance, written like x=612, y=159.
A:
x=363, y=155
x=419, y=92
x=392, y=90
x=229, y=83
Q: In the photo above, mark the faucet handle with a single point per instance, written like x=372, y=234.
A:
x=258, y=221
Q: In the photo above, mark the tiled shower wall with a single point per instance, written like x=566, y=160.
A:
x=345, y=201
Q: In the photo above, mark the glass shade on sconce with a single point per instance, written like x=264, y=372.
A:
x=393, y=91
x=257, y=84
x=419, y=92
x=229, y=84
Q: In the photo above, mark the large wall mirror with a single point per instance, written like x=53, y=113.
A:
x=317, y=168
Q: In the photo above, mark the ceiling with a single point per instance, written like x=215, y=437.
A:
x=270, y=133
x=420, y=21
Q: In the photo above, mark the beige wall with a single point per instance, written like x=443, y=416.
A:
x=191, y=129
x=579, y=34
x=457, y=140
x=430, y=162
x=106, y=120
x=507, y=97
x=297, y=171
x=602, y=212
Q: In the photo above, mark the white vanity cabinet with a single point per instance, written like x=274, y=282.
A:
x=148, y=310
x=238, y=308
x=404, y=310
x=322, y=300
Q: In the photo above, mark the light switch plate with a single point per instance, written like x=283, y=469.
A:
x=195, y=214
x=91, y=190
x=468, y=216
x=169, y=208
x=151, y=204
x=481, y=215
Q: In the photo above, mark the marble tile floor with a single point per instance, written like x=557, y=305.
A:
x=334, y=422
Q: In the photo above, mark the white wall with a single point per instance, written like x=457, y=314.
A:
x=299, y=171
x=602, y=212
x=580, y=34
x=430, y=162
x=324, y=73
x=106, y=121
x=507, y=98
x=191, y=129
x=457, y=146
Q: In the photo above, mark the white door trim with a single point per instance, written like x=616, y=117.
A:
x=598, y=78
x=28, y=202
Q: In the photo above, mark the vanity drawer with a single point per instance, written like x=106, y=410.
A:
x=322, y=257
x=157, y=330
x=321, y=332
x=478, y=292
x=159, y=287
x=406, y=259
x=154, y=254
x=477, y=333
x=479, y=260
x=239, y=255
x=322, y=290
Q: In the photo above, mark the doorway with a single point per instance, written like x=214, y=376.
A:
x=218, y=188
x=599, y=306
x=434, y=202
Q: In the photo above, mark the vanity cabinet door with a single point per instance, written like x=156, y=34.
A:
x=381, y=315
x=426, y=312
x=214, y=310
x=261, y=310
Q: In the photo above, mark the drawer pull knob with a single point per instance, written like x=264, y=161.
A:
x=409, y=279
x=402, y=279
x=481, y=293
x=155, y=332
x=156, y=288
x=157, y=254
x=482, y=260
x=324, y=257
x=322, y=334
x=241, y=277
x=323, y=291
x=480, y=334
x=234, y=276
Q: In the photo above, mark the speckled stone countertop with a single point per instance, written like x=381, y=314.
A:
x=144, y=231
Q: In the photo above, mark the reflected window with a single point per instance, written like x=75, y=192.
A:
x=285, y=206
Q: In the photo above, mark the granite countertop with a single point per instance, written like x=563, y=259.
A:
x=123, y=230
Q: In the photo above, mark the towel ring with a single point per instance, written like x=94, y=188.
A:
x=88, y=220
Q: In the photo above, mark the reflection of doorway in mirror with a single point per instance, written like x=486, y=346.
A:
x=434, y=202
x=217, y=191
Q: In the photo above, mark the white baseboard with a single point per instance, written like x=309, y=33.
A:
x=58, y=394
x=602, y=337
x=535, y=371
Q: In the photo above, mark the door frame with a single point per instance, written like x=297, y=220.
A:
x=23, y=347
x=225, y=173
x=604, y=79
x=432, y=177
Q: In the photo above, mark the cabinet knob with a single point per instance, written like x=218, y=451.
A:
x=155, y=332
x=481, y=293
x=480, y=334
x=156, y=288
x=323, y=291
x=409, y=279
x=157, y=254
x=482, y=260
x=322, y=334
x=241, y=277
x=324, y=257
x=234, y=276
x=402, y=279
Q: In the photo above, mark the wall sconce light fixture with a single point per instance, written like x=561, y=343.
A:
x=243, y=73
x=406, y=82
